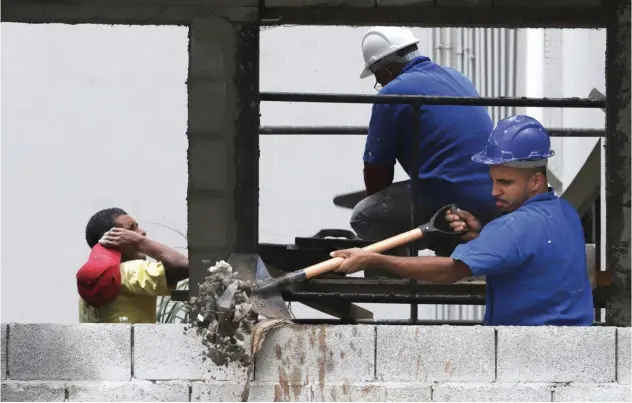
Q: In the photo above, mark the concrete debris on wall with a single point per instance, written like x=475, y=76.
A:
x=119, y=362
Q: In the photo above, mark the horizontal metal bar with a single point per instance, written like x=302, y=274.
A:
x=428, y=14
x=401, y=322
x=377, y=298
x=431, y=100
x=363, y=130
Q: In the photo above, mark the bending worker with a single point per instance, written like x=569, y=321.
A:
x=448, y=137
x=533, y=256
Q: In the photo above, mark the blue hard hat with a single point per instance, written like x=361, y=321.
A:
x=516, y=139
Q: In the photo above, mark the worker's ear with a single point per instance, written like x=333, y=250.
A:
x=537, y=181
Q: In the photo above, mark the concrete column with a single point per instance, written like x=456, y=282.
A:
x=618, y=162
x=223, y=154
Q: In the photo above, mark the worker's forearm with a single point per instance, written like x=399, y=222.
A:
x=438, y=270
x=175, y=263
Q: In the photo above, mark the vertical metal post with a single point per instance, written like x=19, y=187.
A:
x=618, y=161
x=414, y=314
x=597, y=241
x=246, y=161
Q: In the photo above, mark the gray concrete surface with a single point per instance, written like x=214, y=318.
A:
x=556, y=354
x=318, y=355
x=144, y=391
x=623, y=355
x=3, y=352
x=33, y=391
x=229, y=392
x=70, y=352
x=435, y=353
x=213, y=112
x=319, y=363
x=592, y=393
x=498, y=392
x=166, y=352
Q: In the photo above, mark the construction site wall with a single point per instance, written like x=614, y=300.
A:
x=119, y=362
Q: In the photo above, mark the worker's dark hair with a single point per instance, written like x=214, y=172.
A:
x=100, y=223
x=529, y=172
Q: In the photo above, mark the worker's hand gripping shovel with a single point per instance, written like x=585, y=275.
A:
x=266, y=299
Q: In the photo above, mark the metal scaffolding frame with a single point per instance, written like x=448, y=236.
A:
x=414, y=293
x=363, y=130
x=246, y=21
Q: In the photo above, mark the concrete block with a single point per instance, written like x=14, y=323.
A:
x=435, y=353
x=167, y=352
x=320, y=3
x=3, y=351
x=63, y=352
x=592, y=393
x=369, y=392
x=231, y=392
x=208, y=164
x=292, y=392
x=556, y=354
x=497, y=392
x=211, y=215
x=32, y=391
x=406, y=392
x=623, y=355
x=213, y=48
x=318, y=355
x=135, y=391
x=211, y=105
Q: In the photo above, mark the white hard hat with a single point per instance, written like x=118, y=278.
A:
x=381, y=42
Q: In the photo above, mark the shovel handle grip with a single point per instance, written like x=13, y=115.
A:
x=378, y=247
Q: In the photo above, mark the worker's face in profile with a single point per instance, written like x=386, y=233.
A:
x=128, y=222
x=386, y=74
x=512, y=187
x=382, y=77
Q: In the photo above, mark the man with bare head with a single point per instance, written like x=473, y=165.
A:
x=533, y=256
x=118, y=283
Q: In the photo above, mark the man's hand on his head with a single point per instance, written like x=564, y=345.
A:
x=121, y=238
x=461, y=221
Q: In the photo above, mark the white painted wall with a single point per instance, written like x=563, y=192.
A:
x=92, y=117
x=568, y=63
x=103, y=110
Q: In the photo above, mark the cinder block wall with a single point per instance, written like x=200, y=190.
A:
x=117, y=362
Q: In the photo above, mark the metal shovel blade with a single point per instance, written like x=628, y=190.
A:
x=250, y=267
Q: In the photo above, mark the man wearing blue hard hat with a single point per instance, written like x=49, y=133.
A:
x=533, y=256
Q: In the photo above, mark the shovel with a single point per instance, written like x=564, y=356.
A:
x=266, y=298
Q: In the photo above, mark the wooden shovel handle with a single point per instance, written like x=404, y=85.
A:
x=378, y=247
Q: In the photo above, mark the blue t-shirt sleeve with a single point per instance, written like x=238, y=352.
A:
x=497, y=249
x=382, y=141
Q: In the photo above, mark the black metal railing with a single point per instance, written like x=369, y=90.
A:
x=363, y=130
x=416, y=101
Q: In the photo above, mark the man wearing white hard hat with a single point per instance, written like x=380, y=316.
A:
x=447, y=138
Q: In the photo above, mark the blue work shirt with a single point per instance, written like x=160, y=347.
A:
x=448, y=137
x=534, y=260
